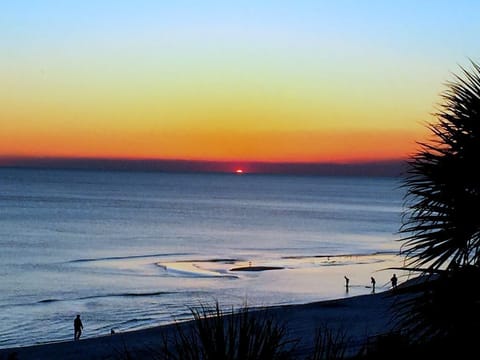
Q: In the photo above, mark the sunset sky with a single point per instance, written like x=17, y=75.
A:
x=271, y=81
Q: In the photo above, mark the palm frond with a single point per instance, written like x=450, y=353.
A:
x=441, y=224
x=443, y=188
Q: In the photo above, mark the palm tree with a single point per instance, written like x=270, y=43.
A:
x=441, y=228
x=442, y=221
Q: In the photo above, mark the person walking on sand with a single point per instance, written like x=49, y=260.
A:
x=394, y=281
x=78, y=327
x=347, y=281
x=372, y=280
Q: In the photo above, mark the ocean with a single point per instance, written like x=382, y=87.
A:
x=129, y=250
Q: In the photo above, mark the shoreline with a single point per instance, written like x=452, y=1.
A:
x=361, y=317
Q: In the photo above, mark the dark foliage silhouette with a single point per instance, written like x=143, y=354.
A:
x=441, y=228
x=442, y=224
x=242, y=335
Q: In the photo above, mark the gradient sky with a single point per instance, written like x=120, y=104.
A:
x=301, y=81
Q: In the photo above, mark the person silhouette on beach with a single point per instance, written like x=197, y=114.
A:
x=77, y=326
x=372, y=280
x=347, y=281
x=394, y=281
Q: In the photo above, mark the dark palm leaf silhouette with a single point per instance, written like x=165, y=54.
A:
x=441, y=226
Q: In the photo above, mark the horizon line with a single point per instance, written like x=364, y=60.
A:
x=388, y=168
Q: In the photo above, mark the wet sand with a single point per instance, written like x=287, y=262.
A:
x=360, y=317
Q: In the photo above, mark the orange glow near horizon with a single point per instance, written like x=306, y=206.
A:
x=300, y=147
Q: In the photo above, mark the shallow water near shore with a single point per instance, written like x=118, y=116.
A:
x=132, y=250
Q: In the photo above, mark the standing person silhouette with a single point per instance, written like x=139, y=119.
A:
x=394, y=281
x=347, y=281
x=372, y=280
x=78, y=327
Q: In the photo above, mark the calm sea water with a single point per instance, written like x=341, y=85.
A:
x=131, y=250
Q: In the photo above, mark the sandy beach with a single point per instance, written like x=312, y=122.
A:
x=361, y=317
